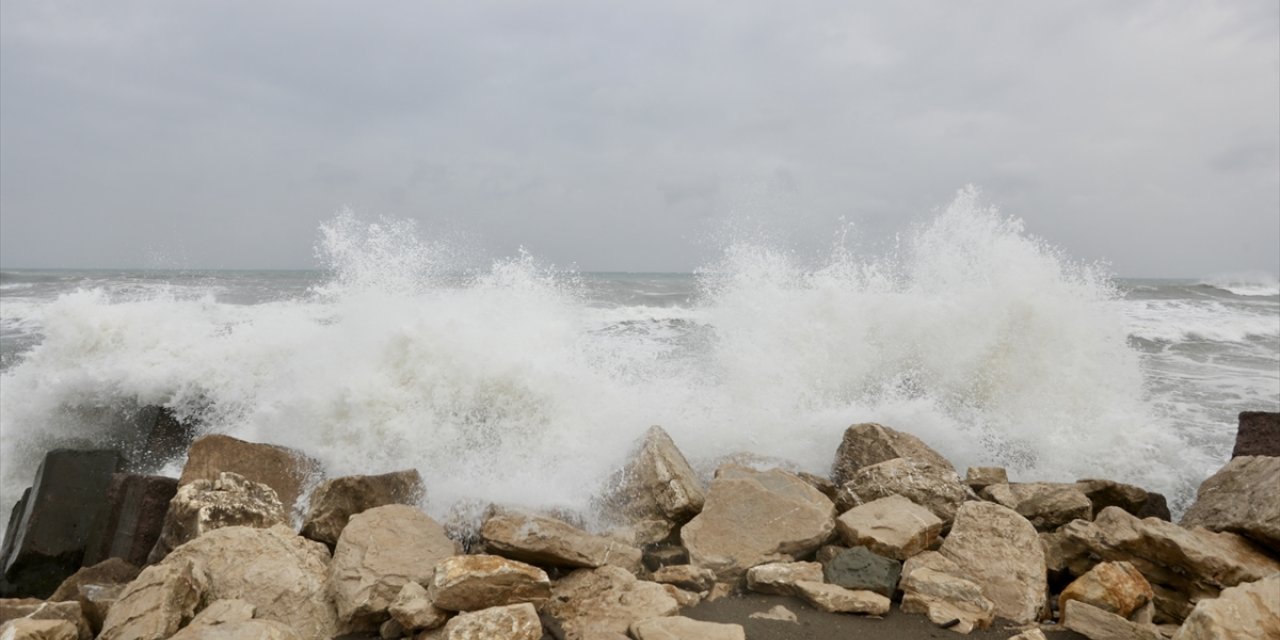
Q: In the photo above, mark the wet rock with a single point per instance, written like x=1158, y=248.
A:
x=1258, y=434
x=730, y=534
x=1242, y=497
x=657, y=489
x=1155, y=507
x=469, y=583
x=933, y=585
x=591, y=603
x=686, y=576
x=284, y=470
x=31, y=629
x=866, y=444
x=979, y=478
x=861, y=570
x=780, y=578
x=836, y=599
x=335, y=501
x=1096, y=624
x=935, y=488
x=681, y=628
x=134, y=517
x=894, y=527
x=1108, y=493
x=33, y=609
x=1047, y=505
x=999, y=550
x=1115, y=587
x=96, y=588
x=511, y=622
x=168, y=438
x=1245, y=612
x=413, y=611
x=160, y=601
x=202, y=506
x=379, y=551
x=550, y=542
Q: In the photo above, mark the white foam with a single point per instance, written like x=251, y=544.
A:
x=1249, y=283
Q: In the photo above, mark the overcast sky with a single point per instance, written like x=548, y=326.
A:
x=612, y=137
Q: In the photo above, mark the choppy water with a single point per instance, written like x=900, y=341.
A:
x=519, y=383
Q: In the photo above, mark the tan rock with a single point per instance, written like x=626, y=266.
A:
x=510, y=622
x=894, y=527
x=1245, y=612
x=1109, y=493
x=778, y=612
x=1064, y=552
x=656, y=486
x=379, y=551
x=866, y=444
x=1047, y=505
x=836, y=599
x=682, y=597
x=1029, y=634
x=160, y=601
x=202, y=506
x=1000, y=551
x=935, y=488
x=932, y=585
x=1242, y=497
x=335, y=501
x=32, y=629
x=753, y=517
x=781, y=577
x=550, y=542
x=469, y=583
x=96, y=588
x=241, y=630
x=681, y=628
x=219, y=613
x=685, y=576
x=413, y=611
x=592, y=603
x=284, y=470
x=1114, y=587
x=978, y=478
x=33, y=609
x=1096, y=624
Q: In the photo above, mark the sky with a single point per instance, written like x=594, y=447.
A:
x=628, y=136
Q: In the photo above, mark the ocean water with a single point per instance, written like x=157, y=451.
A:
x=523, y=384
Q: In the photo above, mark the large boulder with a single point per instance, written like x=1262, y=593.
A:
x=215, y=618
x=1242, y=497
x=335, y=501
x=1245, y=612
x=133, y=519
x=1097, y=624
x=510, y=622
x=205, y=505
x=999, y=550
x=593, y=603
x=160, y=601
x=933, y=487
x=33, y=629
x=1109, y=493
x=781, y=578
x=893, y=526
x=32, y=609
x=1047, y=505
x=284, y=470
x=868, y=443
x=550, y=542
x=979, y=478
x=933, y=585
x=96, y=589
x=861, y=570
x=1258, y=434
x=656, y=491
x=413, y=611
x=468, y=583
x=681, y=628
x=379, y=551
x=753, y=517
x=1115, y=587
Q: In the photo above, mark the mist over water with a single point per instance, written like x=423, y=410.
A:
x=520, y=383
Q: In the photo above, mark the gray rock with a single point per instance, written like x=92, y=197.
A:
x=133, y=519
x=866, y=444
x=1258, y=434
x=550, y=542
x=935, y=488
x=861, y=570
x=336, y=500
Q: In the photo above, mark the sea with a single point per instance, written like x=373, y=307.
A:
x=516, y=382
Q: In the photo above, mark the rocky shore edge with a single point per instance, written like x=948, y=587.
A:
x=94, y=549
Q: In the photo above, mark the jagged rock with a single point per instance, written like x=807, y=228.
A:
x=133, y=519
x=686, y=576
x=778, y=612
x=205, y=505
x=893, y=526
x=96, y=588
x=836, y=599
x=548, y=541
x=390, y=630
x=731, y=534
x=828, y=552
x=681, y=628
x=979, y=478
x=33, y=609
x=824, y=485
x=167, y=438
x=1257, y=434
x=657, y=487
x=1156, y=507
x=1047, y=505
x=379, y=551
x=1115, y=587
x=469, y=583
x=31, y=629
x=932, y=585
x=666, y=555
x=1096, y=624
x=413, y=611
x=682, y=597
x=284, y=470
x=335, y=501
x=935, y=488
x=283, y=575
x=1000, y=551
x=240, y=630
x=49, y=530
x=1066, y=556
x=510, y=622
x=1242, y=497
x=1108, y=493
x=214, y=619
x=861, y=570
x=866, y=444
x=160, y=601
x=592, y=603
x=781, y=577
x=1244, y=612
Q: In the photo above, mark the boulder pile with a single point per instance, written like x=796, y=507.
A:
x=251, y=542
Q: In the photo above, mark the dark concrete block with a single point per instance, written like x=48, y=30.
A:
x=130, y=525
x=1155, y=507
x=1258, y=434
x=858, y=568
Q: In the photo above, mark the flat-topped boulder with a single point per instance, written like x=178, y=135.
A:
x=834, y=598
x=594, y=603
x=283, y=469
x=546, y=541
x=1242, y=497
x=933, y=487
x=336, y=500
x=656, y=491
x=861, y=570
x=202, y=506
x=892, y=526
x=869, y=443
x=1047, y=505
x=999, y=550
x=469, y=583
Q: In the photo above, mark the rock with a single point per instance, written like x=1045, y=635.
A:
x=828, y=552
x=686, y=576
x=413, y=611
x=469, y=583
x=836, y=599
x=390, y=630
x=1096, y=624
x=30, y=629
x=1244, y=612
x=335, y=501
x=256, y=629
x=1000, y=551
x=935, y=488
x=861, y=570
x=214, y=620
x=979, y=478
x=682, y=597
x=202, y=506
x=656, y=557
x=33, y=609
x=893, y=526
x=932, y=585
x=379, y=551
x=730, y=535
x=1156, y=507
x=778, y=612
x=160, y=601
x=1114, y=587
x=551, y=542
x=1029, y=634
x=168, y=438
x=284, y=470
x=96, y=588
x=591, y=603
x=1108, y=493
x=657, y=485
x=1065, y=556
x=1258, y=434
x=780, y=578
x=131, y=523
x=681, y=628
x=866, y=444
x=511, y=622
x=1242, y=497
x=1047, y=505
x=283, y=575
x=46, y=542
x=824, y=485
